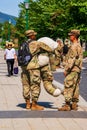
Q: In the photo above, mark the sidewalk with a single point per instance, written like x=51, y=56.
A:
x=14, y=116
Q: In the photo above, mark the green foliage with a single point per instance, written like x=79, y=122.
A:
x=53, y=18
x=5, y=28
x=85, y=54
x=2, y=44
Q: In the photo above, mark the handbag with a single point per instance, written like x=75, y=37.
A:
x=15, y=70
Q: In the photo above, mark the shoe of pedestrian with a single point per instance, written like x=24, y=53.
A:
x=35, y=106
x=11, y=73
x=28, y=104
x=65, y=107
x=74, y=106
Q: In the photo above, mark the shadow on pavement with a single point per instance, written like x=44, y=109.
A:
x=45, y=104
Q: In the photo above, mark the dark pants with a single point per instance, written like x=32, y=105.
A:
x=10, y=64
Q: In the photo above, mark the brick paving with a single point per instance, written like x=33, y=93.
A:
x=14, y=116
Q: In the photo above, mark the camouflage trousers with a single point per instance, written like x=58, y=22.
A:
x=71, y=83
x=31, y=84
x=47, y=78
x=31, y=80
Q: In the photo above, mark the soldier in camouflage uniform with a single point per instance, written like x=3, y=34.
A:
x=33, y=73
x=29, y=76
x=72, y=73
x=59, y=52
x=65, y=50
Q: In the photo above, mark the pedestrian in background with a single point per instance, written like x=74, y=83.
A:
x=72, y=73
x=59, y=53
x=65, y=50
x=10, y=56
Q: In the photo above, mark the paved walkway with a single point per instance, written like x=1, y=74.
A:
x=14, y=116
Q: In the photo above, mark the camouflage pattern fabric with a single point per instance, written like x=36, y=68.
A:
x=35, y=81
x=58, y=54
x=73, y=65
x=31, y=84
x=32, y=74
x=73, y=60
x=37, y=48
x=52, y=62
x=47, y=79
x=25, y=83
x=45, y=71
x=71, y=82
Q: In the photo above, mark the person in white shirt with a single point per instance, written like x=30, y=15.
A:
x=10, y=56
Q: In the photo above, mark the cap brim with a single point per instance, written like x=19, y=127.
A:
x=69, y=34
x=32, y=34
x=35, y=33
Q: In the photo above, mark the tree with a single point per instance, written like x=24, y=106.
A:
x=54, y=18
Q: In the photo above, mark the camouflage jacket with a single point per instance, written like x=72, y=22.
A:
x=59, y=50
x=37, y=48
x=73, y=60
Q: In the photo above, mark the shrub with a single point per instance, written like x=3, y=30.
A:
x=85, y=54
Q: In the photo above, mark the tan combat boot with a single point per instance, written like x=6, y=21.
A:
x=66, y=107
x=35, y=106
x=74, y=106
x=28, y=104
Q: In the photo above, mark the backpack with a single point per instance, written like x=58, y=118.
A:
x=24, y=55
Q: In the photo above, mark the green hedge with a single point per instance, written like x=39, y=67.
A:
x=85, y=54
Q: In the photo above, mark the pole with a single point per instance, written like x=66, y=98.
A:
x=2, y=36
x=9, y=30
x=27, y=25
x=26, y=2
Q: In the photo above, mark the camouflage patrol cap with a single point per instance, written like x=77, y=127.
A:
x=74, y=32
x=30, y=33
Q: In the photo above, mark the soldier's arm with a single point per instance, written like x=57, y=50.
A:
x=79, y=57
x=70, y=60
x=80, y=52
x=74, y=58
x=57, y=52
x=34, y=47
x=45, y=47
